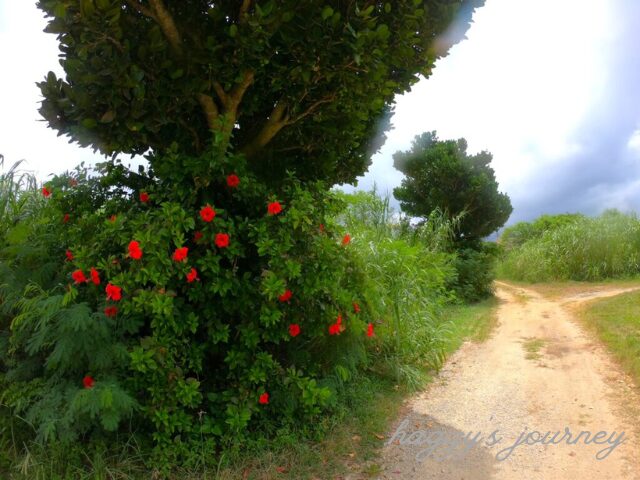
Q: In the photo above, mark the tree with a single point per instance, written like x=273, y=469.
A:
x=300, y=86
x=441, y=174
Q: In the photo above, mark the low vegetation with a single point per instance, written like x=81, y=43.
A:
x=616, y=320
x=572, y=247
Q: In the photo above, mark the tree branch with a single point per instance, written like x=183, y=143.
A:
x=168, y=26
x=244, y=9
x=312, y=108
x=210, y=109
x=276, y=121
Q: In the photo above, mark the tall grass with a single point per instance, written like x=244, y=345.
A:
x=607, y=246
x=18, y=196
x=408, y=271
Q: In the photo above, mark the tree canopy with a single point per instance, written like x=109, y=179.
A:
x=303, y=86
x=440, y=174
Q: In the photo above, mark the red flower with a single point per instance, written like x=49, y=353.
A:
x=197, y=236
x=192, y=275
x=46, y=192
x=144, y=197
x=233, y=180
x=274, y=208
x=112, y=218
x=78, y=277
x=286, y=296
x=95, y=276
x=111, y=311
x=321, y=227
x=222, y=240
x=113, y=292
x=346, y=239
x=134, y=250
x=180, y=254
x=294, y=329
x=65, y=219
x=370, y=330
x=88, y=382
x=69, y=256
x=264, y=399
x=356, y=307
x=336, y=328
x=207, y=213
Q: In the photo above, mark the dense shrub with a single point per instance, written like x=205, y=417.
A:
x=475, y=271
x=584, y=249
x=247, y=340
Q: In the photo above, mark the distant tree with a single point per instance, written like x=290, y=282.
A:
x=440, y=174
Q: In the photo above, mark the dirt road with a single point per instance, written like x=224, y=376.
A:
x=540, y=373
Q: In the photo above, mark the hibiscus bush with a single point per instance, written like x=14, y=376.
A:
x=189, y=302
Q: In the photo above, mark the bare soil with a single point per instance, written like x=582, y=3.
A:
x=540, y=373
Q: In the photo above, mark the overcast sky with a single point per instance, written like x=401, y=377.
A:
x=550, y=87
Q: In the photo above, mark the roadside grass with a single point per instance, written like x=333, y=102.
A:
x=616, y=321
x=473, y=322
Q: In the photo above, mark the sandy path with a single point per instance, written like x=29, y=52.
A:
x=539, y=371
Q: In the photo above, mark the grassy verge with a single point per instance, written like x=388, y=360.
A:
x=616, y=320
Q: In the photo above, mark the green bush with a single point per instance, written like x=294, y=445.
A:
x=586, y=248
x=185, y=359
x=475, y=272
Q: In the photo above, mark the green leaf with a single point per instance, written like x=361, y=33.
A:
x=327, y=12
x=108, y=116
x=233, y=30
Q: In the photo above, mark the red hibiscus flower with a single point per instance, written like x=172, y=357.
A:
x=346, y=239
x=180, y=254
x=78, y=277
x=135, y=251
x=286, y=296
x=222, y=240
x=111, y=311
x=207, y=213
x=113, y=292
x=197, y=236
x=95, y=276
x=144, y=197
x=321, y=227
x=294, y=329
x=192, y=275
x=264, y=399
x=233, y=180
x=69, y=256
x=113, y=218
x=356, y=307
x=88, y=382
x=66, y=217
x=336, y=328
x=46, y=192
x=370, y=330
x=274, y=208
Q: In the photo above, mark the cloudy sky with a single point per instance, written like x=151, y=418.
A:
x=550, y=87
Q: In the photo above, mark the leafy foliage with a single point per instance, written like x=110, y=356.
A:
x=300, y=86
x=439, y=174
x=180, y=359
